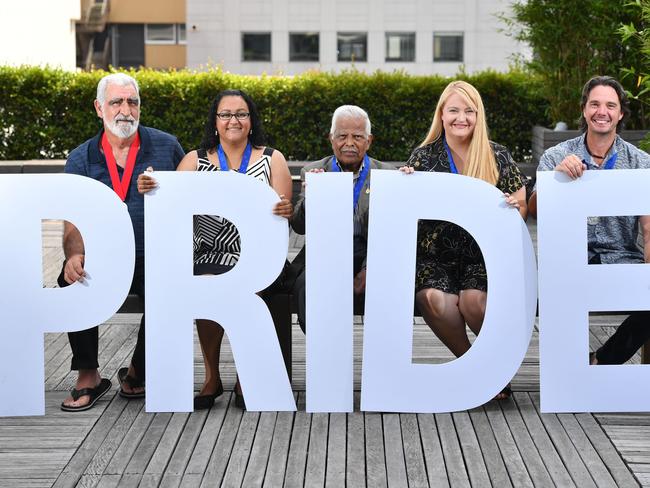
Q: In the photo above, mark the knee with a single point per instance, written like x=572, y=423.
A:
x=432, y=302
x=472, y=304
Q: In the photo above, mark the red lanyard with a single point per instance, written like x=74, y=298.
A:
x=121, y=187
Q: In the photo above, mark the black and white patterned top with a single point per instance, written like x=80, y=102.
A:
x=216, y=240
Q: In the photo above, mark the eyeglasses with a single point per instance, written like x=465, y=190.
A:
x=230, y=115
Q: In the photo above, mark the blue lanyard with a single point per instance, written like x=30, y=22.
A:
x=452, y=165
x=223, y=162
x=609, y=164
x=360, y=180
x=611, y=161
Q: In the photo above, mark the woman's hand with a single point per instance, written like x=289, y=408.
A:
x=511, y=201
x=284, y=208
x=407, y=170
x=146, y=183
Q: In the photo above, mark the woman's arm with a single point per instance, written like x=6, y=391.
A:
x=281, y=183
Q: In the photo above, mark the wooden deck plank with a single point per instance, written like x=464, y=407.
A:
x=355, y=472
x=167, y=444
x=474, y=462
x=218, y=462
x=317, y=450
x=94, y=444
x=259, y=453
x=606, y=450
x=193, y=452
x=433, y=455
x=414, y=458
x=568, y=430
x=507, y=446
x=375, y=459
x=241, y=450
x=149, y=443
x=489, y=449
x=130, y=440
x=555, y=448
x=395, y=462
x=336, y=445
x=279, y=453
x=532, y=461
x=297, y=459
x=451, y=450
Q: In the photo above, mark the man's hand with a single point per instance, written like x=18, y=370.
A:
x=572, y=166
x=407, y=170
x=146, y=183
x=283, y=208
x=360, y=282
x=74, y=269
x=315, y=170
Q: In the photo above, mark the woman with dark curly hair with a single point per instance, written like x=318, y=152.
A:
x=233, y=141
x=450, y=277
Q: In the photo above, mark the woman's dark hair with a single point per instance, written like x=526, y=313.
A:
x=622, y=99
x=211, y=140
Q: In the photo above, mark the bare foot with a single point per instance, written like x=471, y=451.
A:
x=87, y=378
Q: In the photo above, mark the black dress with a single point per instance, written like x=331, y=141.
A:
x=448, y=258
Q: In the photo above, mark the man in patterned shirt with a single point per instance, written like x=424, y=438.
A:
x=605, y=108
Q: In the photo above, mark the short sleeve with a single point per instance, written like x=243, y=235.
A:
x=510, y=177
x=75, y=164
x=179, y=153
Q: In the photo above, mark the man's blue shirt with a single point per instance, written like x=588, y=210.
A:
x=157, y=149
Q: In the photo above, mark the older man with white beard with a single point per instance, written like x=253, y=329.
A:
x=115, y=156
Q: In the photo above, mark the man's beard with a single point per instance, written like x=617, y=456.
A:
x=124, y=129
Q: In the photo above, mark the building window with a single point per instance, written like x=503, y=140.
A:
x=160, y=34
x=303, y=46
x=400, y=46
x=448, y=47
x=256, y=47
x=181, y=34
x=352, y=46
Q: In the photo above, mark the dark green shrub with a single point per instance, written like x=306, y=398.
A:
x=45, y=113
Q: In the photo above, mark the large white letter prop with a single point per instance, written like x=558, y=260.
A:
x=570, y=288
x=175, y=297
x=27, y=310
x=329, y=292
x=390, y=381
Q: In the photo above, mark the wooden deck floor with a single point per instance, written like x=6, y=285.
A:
x=506, y=443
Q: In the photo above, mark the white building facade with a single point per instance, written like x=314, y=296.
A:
x=291, y=36
x=39, y=32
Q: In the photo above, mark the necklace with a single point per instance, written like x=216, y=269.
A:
x=596, y=155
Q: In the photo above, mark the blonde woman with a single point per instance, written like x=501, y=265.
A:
x=451, y=281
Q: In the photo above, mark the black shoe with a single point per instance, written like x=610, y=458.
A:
x=204, y=402
x=239, y=400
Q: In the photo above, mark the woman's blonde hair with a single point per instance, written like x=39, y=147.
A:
x=480, y=162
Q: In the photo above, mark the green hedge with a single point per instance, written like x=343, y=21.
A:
x=44, y=113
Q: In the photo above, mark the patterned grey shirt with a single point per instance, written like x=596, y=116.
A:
x=614, y=239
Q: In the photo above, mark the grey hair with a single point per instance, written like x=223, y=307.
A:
x=121, y=79
x=353, y=112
